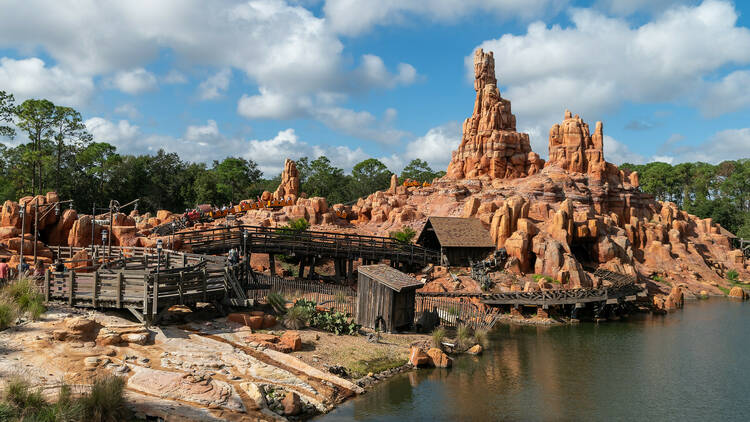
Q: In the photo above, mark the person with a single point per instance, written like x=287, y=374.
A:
x=232, y=256
x=24, y=267
x=59, y=266
x=4, y=271
x=38, y=270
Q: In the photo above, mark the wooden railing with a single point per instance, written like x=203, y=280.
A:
x=325, y=244
x=454, y=311
x=339, y=298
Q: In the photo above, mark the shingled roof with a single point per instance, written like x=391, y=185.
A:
x=388, y=276
x=457, y=232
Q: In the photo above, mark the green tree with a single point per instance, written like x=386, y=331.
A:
x=420, y=171
x=325, y=180
x=68, y=130
x=7, y=109
x=235, y=176
x=36, y=118
x=369, y=176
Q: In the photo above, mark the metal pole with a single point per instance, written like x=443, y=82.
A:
x=23, y=229
x=93, y=223
x=36, y=224
x=111, y=231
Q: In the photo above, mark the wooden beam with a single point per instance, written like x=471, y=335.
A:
x=120, y=279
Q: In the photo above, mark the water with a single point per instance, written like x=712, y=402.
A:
x=690, y=365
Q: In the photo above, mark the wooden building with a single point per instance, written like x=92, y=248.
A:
x=458, y=239
x=385, y=298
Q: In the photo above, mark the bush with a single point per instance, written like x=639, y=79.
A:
x=438, y=336
x=546, y=278
x=105, y=403
x=463, y=336
x=732, y=275
x=405, y=235
x=296, y=318
x=24, y=295
x=335, y=322
x=277, y=302
x=7, y=315
x=297, y=226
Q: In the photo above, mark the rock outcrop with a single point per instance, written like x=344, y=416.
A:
x=289, y=186
x=490, y=147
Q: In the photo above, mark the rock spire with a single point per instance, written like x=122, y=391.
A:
x=490, y=146
x=289, y=186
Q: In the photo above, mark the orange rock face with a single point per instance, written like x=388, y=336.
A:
x=490, y=146
x=289, y=187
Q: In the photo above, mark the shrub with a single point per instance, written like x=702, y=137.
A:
x=7, y=315
x=296, y=318
x=297, y=226
x=463, y=336
x=25, y=297
x=335, y=322
x=405, y=235
x=438, y=336
x=732, y=275
x=277, y=302
x=105, y=403
x=546, y=278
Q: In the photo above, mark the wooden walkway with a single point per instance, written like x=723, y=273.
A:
x=308, y=244
x=146, y=282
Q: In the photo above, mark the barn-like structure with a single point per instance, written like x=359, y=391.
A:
x=385, y=298
x=459, y=240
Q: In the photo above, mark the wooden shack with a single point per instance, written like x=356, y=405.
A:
x=459, y=240
x=385, y=298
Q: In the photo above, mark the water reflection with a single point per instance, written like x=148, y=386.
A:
x=690, y=365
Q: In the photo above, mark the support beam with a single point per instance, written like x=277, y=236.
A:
x=301, y=272
x=272, y=263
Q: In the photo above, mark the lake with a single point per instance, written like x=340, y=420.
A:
x=690, y=365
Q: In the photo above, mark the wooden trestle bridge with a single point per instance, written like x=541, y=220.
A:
x=310, y=246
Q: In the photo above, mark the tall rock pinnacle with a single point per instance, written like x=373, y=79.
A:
x=490, y=146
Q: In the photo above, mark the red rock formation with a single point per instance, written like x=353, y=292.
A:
x=490, y=146
x=289, y=187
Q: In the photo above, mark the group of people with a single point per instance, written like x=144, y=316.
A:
x=7, y=272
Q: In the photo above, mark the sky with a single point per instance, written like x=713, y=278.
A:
x=390, y=79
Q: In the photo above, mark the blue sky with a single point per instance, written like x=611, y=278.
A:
x=352, y=79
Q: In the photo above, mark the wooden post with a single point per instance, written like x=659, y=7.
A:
x=145, y=296
x=96, y=283
x=272, y=263
x=155, y=303
x=166, y=264
x=179, y=287
x=71, y=282
x=205, y=285
x=184, y=260
x=311, y=273
x=301, y=272
x=120, y=278
x=46, y=284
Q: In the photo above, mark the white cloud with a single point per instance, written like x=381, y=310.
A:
x=353, y=17
x=373, y=72
x=215, y=86
x=598, y=63
x=730, y=144
x=729, y=94
x=174, y=77
x=205, y=143
x=273, y=105
x=31, y=78
x=361, y=124
x=128, y=110
x=617, y=153
x=436, y=145
x=629, y=7
x=134, y=81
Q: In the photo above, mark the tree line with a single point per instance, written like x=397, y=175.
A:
x=720, y=191
x=61, y=155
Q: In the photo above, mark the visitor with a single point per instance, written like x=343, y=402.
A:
x=24, y=268
x=59, y=266
x=4, y=271
x=38, y=270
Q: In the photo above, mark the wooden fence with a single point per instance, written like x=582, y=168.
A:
x=339, y=298
x=454, y=311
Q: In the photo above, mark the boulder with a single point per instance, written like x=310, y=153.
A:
x=475, y=350
x=135, y=338
x=292, y=404
x=59, y=233
x=269, y=321
x=255, y=322
x=418, y=358
x=292, y=340
x=738, y=293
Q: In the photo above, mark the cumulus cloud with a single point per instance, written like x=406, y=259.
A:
x=729, y=94
x=598, y=63
x=215, y=86
x=354, y=17
x=729, y=144
x=205, y=143
x=174, y=77
x=134, y=81
x=617, y=152
x=31, y=78
x=361, y=124
x=128, y=110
